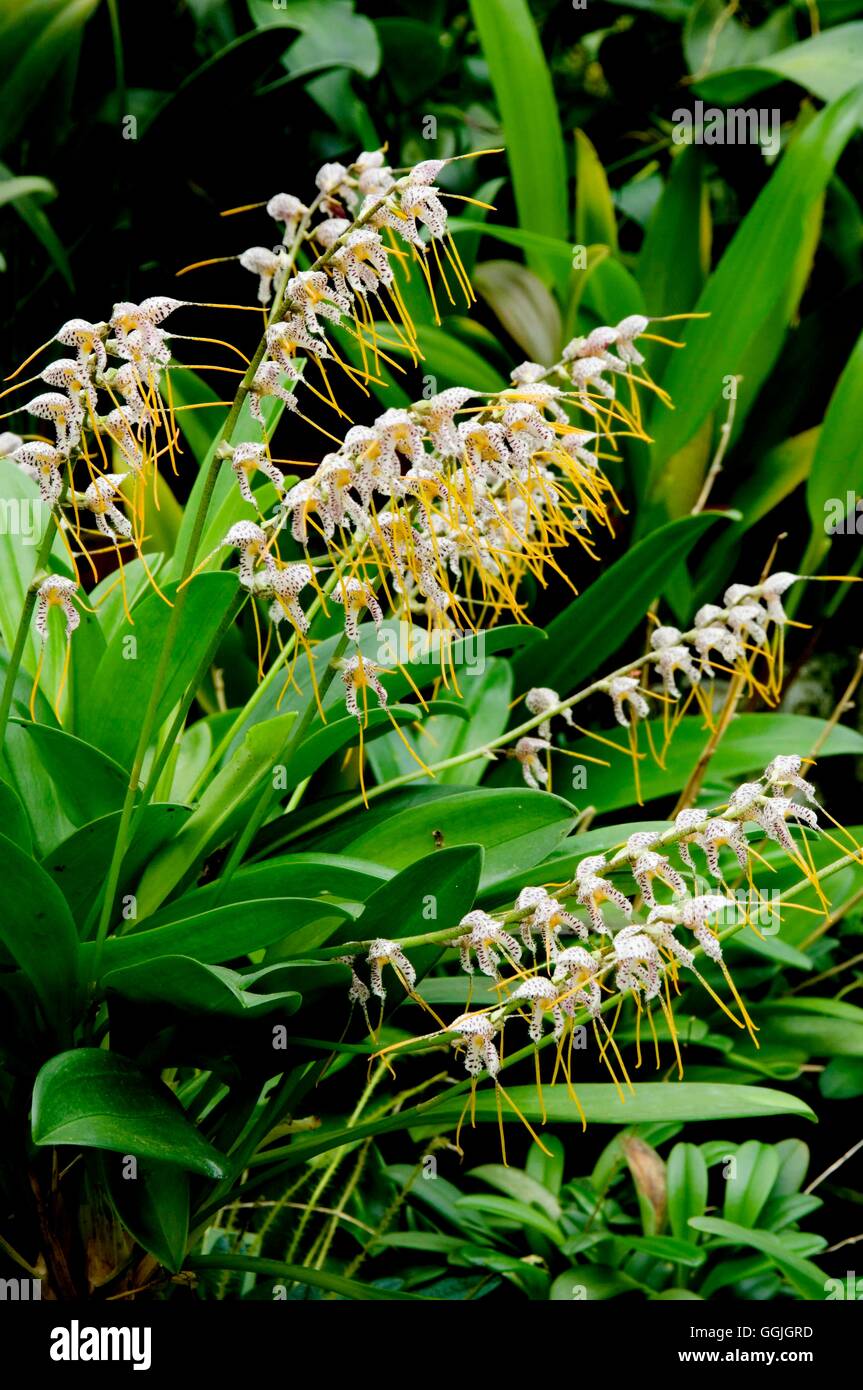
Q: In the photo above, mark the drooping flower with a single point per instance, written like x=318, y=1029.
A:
x=482, y=936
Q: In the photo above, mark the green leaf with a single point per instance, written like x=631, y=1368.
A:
x=37, y=930
x=687, y=1188
x=13, y=818
x=438, y=889
x=836, y=475
x=676, y=1101
x=592, y=1284
x=534, y=1281
x=773, y=476
x=652, y=1101
x=99, y=1100
x=213, y=937
x=826, y=1027
x=770, y=255
x=121, y=686
x=452, y=363
x=842, y=1079
x=828, y=65
x=666, y=1249
x=534, y=143
x=548, y=247
x=547, y=1168
x=515, y=1183
x=675, y=255
x=77, y=863
x=595, y=222
x=34, y=69
x=22, y=187
x=524, y=307
x=598, y=621
x=326, y=877
x=154, y=1208
x=221, y=812
x=518, y=1213
x=512, y=826
x=189, y=985
x=805, y=1276
x=750, y=1182
x=87, y=783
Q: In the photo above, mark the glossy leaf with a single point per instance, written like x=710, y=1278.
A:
x=94, y=1099
x=37, y=930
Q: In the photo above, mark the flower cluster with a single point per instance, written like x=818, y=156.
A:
x=739, y=632
x=590, y=937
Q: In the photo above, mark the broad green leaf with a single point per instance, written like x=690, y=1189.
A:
x=36, y=65
x=77, y=863
x=452, y=363
x=827, y=64
x=323, y=876
x=519, y=1214
x=750, y=1182
x=37, y=930
x=524, y=306
x=770, y=255
x=437, y=889
x=88, y=784
x=512, y=827
x=825, y=1027
x=653, y=1101
x=836, y=475
x=597, y=622
x=534, y=142
x=221, y=811
x=94, y=1099
x=805, y=1276
x=107, y=596
x=667, y=1249
x=713, y=38
x=123, y=682
x=154, y=1207
x=219, y=935
x=190, y=985
x=533, y=1280
x=687, y=1188
x=547, y=1168
x=331, y=35
x=515, y=1183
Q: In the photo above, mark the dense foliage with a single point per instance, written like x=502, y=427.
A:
x=430, y=852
